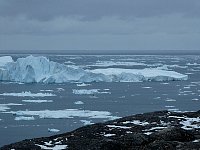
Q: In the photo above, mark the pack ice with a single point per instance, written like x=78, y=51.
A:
x=40, y=69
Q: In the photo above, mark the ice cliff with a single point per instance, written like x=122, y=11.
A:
x=40, y=69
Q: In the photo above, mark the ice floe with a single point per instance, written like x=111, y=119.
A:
x=66, y=113
x=4, y=107
x=40, y=69
x=53, y=130
x=83, y=84
x=170, y=100
x=37, y=101
x=28, y=94
x=86, y=122
x=89, y=91
x=78, y=103
x=24, y=118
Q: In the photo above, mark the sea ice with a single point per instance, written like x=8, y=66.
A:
x=4, y=107
x=78, y=103
x=37, y=101
x=89, y=92
x=28, y=94
x=83, y=84
x=53, y=130
x=24, y=118
x=67, y=113
x=86, y=122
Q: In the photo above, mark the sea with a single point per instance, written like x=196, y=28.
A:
x=31, y=110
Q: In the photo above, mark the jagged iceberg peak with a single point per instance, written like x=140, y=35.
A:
x=4, y=60
x=40, y=69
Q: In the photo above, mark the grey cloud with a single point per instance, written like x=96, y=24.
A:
x=99, y=24
x=95, y=9
x=169, y=24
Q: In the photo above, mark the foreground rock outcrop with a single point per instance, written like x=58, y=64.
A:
x=161, y=130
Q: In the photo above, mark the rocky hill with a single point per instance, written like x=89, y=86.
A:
x=161, y=130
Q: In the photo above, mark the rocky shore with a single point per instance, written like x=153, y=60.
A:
x=161, y=130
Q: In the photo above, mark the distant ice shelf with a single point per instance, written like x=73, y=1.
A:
x=40, y=69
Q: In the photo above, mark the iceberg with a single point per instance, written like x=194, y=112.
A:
x=5, y=59
x=39, y=69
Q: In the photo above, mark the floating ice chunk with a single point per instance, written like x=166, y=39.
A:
x=4, y=107
x=66, y=113
x=169, y=106
x=86, y=122
x=192, y=64
x=78, y=103
x=170, y=100
x=37, y=101
x=28, y=94
x=83, y=84
x=4, y=60
x=174, y=109
x=195, y=99
x=60, y=89
x=53, y=130
x=157, y=97
x=147, y=87
x=85, y=91
x=46, y=90
x=24, y=118
x=89, y=92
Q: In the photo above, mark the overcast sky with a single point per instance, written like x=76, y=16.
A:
x=100, y=24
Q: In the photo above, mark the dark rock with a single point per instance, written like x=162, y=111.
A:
x=149, y=131
x=174, y=134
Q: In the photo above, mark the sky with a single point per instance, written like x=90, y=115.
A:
x=100, y=24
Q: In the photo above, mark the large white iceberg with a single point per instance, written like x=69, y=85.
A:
x=40, y=69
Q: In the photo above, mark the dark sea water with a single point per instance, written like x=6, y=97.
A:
x=120, y=99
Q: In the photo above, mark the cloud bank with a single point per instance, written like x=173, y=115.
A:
x=94, y=24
